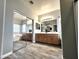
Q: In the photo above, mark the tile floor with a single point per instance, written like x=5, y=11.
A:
x=37, y=51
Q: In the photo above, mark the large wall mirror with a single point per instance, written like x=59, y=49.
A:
x=22, y=30
x=49, y=26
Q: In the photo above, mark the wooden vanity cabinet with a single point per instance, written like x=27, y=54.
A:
x=48, y=38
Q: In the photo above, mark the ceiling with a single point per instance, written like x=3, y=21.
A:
x=18, y=16
x=39, y=7
x=43, y=6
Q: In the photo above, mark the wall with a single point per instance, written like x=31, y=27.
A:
x=8, y=29
x=76, y=20
x=68, y=30
x=59, y=29
x=78, y=27
x=54, y=15
x=36, y=21
x=2, y=8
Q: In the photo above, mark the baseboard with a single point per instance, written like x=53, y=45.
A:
x=6, y=55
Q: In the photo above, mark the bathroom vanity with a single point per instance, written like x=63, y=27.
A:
x=50, y=38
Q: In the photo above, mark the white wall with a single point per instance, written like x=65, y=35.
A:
x=59, y=29
x=54, y=15
x=2, y=8
x=36, y=21
x=78, y=28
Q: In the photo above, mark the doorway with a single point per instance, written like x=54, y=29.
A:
x=49, y=37
x=22, y=31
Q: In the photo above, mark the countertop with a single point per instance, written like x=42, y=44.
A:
x=47, y=33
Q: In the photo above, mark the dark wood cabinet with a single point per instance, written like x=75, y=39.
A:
x=44, y=38
x=48, y=38
x=26, y=37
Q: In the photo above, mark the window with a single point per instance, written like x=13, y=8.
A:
x=16, y=28
x=24, y=28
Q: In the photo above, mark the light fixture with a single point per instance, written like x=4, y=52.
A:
x=31, y=2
